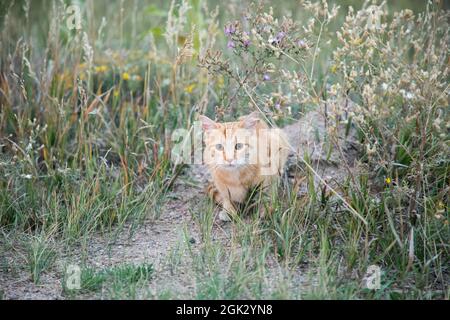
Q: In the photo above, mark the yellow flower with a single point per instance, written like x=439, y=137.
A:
x=220, y=82
x=440, y=208
x=333, y=68
x=388, y=180
x=116, y=93
x=190, y=88
x=357, y=42
x=101, y=69
x=125, y=76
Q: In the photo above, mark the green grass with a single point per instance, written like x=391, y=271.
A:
x=119, y=282
x=40, y=256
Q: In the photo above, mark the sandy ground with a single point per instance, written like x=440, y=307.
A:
x=159, y=241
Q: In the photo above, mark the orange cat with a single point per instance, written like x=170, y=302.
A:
x=241, y=155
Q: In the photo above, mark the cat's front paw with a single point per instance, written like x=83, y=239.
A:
x=223, y=216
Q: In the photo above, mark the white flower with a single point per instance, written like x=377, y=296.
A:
x=371, y=149
x=407, y=94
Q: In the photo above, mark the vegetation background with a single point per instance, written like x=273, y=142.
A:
x=86, y=117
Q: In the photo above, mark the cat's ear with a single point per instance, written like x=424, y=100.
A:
x=250, y=121
x=207, y=123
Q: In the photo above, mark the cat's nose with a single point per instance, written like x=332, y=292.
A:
x=229, y=161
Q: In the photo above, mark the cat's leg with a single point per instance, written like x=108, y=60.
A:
x=223, y=199
x=213, y=193
x=227, y=210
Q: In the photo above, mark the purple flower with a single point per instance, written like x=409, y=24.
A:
x=278, y=106
x=229, y=30
x=280, y=36
x=246, y=39
x=231, y=45
x=266, y=77
x=302, y=44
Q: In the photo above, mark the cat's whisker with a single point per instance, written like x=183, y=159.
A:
x=232, y=169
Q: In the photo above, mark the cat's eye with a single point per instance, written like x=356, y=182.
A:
x=219, y=147
x=239, y=146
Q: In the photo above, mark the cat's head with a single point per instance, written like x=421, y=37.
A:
x=231, y=145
